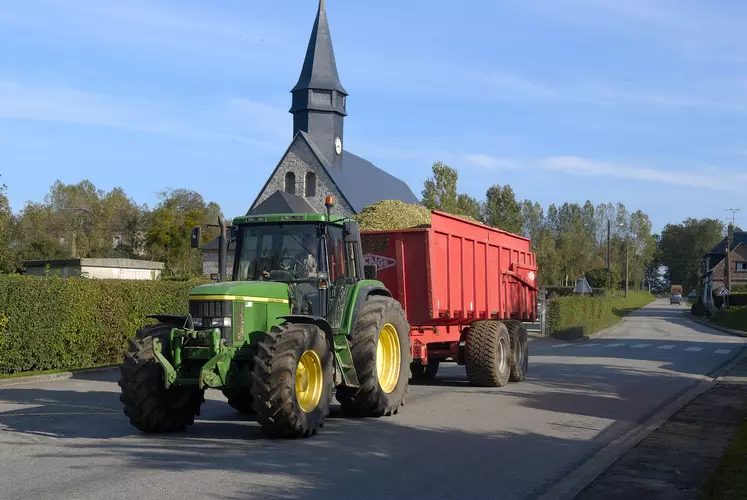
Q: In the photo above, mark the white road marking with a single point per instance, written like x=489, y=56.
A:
x=562, y=345
x=667, y=346
x=614, y=345
x=640, y=346
x=722, y=351
x=588, y=345
x=694, y=349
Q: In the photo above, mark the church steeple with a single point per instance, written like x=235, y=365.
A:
x=319, y=99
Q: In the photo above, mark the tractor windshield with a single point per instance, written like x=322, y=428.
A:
x=278, y=252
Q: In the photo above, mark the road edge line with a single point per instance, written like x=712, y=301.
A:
x=51, y=377
x=583, y=475
x=719, y=328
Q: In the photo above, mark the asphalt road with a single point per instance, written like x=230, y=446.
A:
x=69, y=439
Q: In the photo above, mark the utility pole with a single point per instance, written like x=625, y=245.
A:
x=727, y=272
x=627, y=247
x=609, y=270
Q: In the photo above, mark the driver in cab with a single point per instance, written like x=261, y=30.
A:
x=306, y=257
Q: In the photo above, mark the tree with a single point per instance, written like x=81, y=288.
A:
x=469, y=206
x=682, y=247
x=534, y=218
x=7, y=261
x=440, y=191
x=170, y=226
x=502, y=210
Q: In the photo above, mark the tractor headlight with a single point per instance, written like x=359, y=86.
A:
x=220, y=322
x=197, y=322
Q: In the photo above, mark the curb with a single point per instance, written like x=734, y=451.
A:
x=720, y=328
x=593, y=467
x=53, y=376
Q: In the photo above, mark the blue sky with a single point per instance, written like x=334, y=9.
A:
x=640, y=101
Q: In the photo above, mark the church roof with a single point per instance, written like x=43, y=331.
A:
x=281, y=202
x=319, y=68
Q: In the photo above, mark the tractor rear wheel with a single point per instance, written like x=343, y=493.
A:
x=488, y=354
x=381, y=354
x=519, y=350
x=149, y=405
x=292, y=380
x=240, y=400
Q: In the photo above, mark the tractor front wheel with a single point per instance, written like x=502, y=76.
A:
x=292, y=380
x=380, y=346
x=149, y=405
x=240, y=400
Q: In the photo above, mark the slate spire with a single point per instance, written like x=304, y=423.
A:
x=319, y=68
x=319, y=99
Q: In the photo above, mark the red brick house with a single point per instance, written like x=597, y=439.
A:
x=715, y=278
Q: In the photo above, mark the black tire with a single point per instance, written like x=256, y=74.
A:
x=276, y=358
x=370, y=400
x=424, y=372
x=149, y=405
x=517, y=332
x=240, y=400
x=488, y=354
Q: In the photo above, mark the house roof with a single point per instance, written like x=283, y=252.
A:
x=319, y=68
x=281, y=202
x=720, y=249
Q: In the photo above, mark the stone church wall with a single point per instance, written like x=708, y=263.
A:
x=300, y=160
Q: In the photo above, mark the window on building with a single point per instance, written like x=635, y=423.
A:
x=290, y=183
x=741, y=266
x=310, y=185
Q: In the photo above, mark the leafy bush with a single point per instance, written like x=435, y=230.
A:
x=566, y=291
x=575, y=316
x=698, y=309
x=735, y=318
x=49, y=323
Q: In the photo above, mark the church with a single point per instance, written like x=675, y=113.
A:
x=316, y=163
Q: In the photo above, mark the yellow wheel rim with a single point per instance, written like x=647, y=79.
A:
x=309, y=381
x=388, y=358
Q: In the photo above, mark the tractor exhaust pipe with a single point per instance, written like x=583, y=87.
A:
x=222, y=249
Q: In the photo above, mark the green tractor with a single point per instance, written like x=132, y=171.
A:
x=299, y=321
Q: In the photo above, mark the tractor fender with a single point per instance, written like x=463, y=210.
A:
x=364, y=291
x=304, y=319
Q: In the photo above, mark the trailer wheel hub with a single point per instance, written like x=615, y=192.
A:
x=309, y=381
x=388, y=358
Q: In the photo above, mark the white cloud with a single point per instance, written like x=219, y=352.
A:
x=489, y=162
x=588, y=167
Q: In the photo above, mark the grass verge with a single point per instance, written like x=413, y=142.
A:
x=729, y=482
x=735, y=318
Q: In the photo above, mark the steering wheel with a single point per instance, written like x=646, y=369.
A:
x=291, y=261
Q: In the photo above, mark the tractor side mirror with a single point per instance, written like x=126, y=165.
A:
x=232, y=233
x=351, y=231
x=196, y=237
x=369, y=272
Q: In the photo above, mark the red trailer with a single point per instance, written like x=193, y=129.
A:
x=466, y=288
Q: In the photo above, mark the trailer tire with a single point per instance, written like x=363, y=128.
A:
x=488, y=354
x=424, y=372
x=379, y=394
x=149, y=405
x=287, y=403
x=519, y=350
x=240, y=400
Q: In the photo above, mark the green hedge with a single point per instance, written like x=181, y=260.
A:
x=577, y=316
x=49, y=323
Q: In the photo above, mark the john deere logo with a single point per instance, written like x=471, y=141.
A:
x=381, y=262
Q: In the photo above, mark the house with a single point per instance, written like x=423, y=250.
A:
x=123, y=269
x=715, y=264
x=316, y=163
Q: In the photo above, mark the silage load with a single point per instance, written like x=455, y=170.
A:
x=389, y=215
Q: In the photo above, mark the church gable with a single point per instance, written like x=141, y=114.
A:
x=300, y=172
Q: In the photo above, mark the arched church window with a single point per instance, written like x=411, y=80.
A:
x=310, y=190
x=290, y=183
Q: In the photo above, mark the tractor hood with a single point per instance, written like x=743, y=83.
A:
x=253, y=291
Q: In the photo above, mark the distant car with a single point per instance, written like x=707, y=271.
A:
x=692, y=295
x=675, y=299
